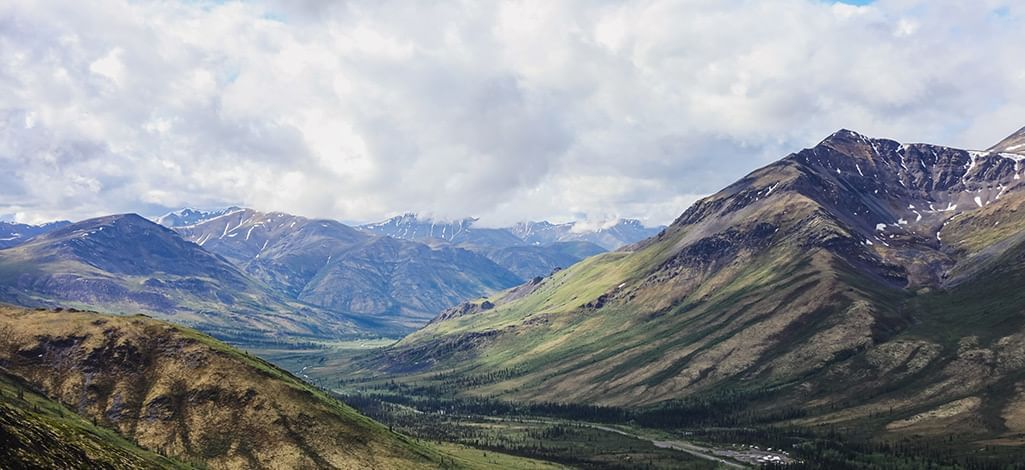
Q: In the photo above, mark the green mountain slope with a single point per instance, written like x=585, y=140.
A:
x=186, y=395
x=862, y=280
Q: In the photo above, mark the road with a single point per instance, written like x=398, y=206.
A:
x=682, y=446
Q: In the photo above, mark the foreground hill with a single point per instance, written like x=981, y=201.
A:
x=180, y=393
x=331, y=265
x=861, y=281
x=125, y=263
x=41, y=433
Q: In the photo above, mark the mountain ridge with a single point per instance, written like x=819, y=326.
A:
x=329, y=264
x=128, y=263
x=410, y=226
x=802, y=278
x=12, y=233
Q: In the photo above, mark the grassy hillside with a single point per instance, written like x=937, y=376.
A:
x=183, y=394
x=861, y=284
x=40, y=433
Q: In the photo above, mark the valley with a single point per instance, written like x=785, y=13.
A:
x=520, y=234
x=808, y=302
x=853, y=303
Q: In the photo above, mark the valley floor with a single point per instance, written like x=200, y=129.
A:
x=597, y=437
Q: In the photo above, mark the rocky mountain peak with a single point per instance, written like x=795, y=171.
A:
x=188, y=216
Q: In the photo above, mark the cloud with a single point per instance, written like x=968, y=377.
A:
x=503, y=110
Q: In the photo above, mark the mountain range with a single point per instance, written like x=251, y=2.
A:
x=862, y=281
x=331, y=265
x=125, y=263
x=464, y=233
x=188, y=216
x=528, y=249
x=252, y=276
x=12, y=233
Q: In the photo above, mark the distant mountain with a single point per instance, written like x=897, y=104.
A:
x=529, y=261
x=176, y=392
x=622, y=232
x=187, y=216
x=463, y=232
x=329, y=264
x=460, y=232
x=527, y=249
x=862, y=284
x=12, y=234
x=125, y=263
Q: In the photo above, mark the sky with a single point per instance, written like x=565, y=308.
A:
x=508, y=111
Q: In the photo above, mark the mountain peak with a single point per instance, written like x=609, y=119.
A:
x=189, y=216
x=846, y=140
x=1014, y=143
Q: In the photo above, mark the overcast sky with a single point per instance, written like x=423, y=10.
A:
x=505, y=110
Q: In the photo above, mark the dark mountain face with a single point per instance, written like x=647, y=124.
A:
x=125, y=263
x=133, y=246
x=13, y=234
x=859, y=280
x=331, y=265
x=530, y=261
x=386, y=277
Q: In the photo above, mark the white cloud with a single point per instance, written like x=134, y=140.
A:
x=110, y=66
x=504, y=110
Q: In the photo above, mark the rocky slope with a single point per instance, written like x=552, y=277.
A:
x=38, y=432
x=180, y=393
x=861, y=280
x=189, y=216
x=125, y=263
x=331, y=265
